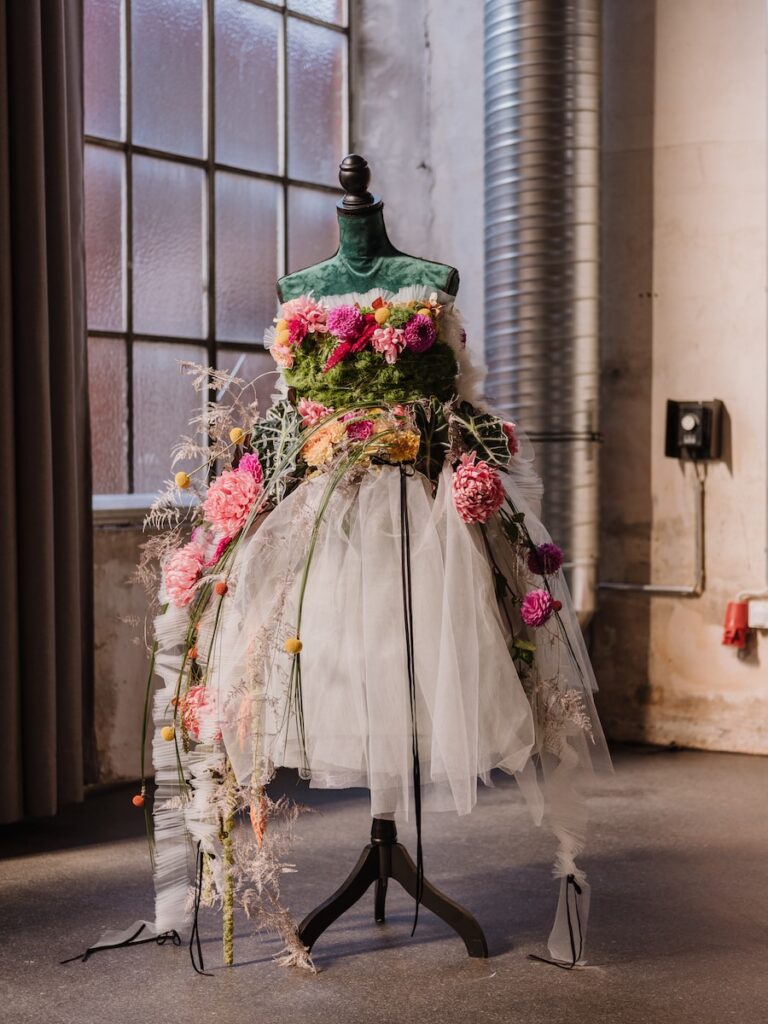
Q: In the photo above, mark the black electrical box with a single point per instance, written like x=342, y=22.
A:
x=694, y=430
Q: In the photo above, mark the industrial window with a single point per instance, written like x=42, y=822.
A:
x=214, y=129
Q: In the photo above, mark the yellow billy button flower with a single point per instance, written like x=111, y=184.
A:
x=281, y=325
x=292, y=645
x=425, y=312
x=167, y=732
x=236, y=435
x=382, y=314
x=182, y=480
x=283, y=336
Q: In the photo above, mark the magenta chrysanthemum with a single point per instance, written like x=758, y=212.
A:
x=197, y=714
x=357, y=429
x=510, y=429
x=545, y=559
x=420, y=333
x=477, y=490
x=181, y=573
x=536, y=607
x=312, y=412
x=346, y=322
x=230, y=500
x=249, y=463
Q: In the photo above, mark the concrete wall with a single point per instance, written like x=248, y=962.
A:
x=684, y=316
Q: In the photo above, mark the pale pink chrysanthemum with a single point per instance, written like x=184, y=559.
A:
x=477, y=490
x=229, y=501
x=510, y=429
x=312, y=412
x=283, y=355
x=536, y=607
x=306, y=312
x=182, y=571
x=197, y=710
x=390, y=341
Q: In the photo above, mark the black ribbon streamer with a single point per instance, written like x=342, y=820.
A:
x=576, y=949
x=171, y=936
x=194, y=935
x=405, y=567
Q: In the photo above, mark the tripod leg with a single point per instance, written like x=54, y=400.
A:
x=380, y=899
x=404, y=870
x=349, y=892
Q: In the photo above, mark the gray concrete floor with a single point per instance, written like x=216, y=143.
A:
x=679, y=930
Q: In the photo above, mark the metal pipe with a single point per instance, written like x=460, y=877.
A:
x=542, y=134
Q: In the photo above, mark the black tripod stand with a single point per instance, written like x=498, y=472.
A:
x=384, y=858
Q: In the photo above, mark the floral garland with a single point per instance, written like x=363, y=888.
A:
x=387, y=352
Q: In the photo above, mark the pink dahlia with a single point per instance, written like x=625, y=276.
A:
x=307, y=314
x=312, y=412
x=510, y=429
x=420, y=333
x=477, y=490
x=536, y=607
x=389, y=341
x=197, y=711
x=249, y=463
x=346, y=322
x=181, y=573
x=229, y=501
x=545, y=559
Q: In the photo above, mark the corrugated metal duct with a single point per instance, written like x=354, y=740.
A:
x=542, y=134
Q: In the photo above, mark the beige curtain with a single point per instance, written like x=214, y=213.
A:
x=45, y=528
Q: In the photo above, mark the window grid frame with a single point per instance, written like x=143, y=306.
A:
x=211, y=167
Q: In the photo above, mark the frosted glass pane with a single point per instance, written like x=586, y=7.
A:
x=168, y=72
x=169, y=261
x=246, y=256
x=257, y=368
x=247, y=48
x=313, y=231
x=108, y=393
x=328, y=10
x=104, y=249
x=316, y=97
x=102, y=67
x=163, y=403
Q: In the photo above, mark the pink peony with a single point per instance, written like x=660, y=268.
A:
x=249, y=463
x=181, y=573
x=477, y=490
x=307, y=314
x=229, y=501
x=389, y=341
x=283, y=355
x=536, y=607
x=197, y=712
x=420, y=333
x=312, y=412
x=545, y=559
x=357, y=429
x=346, y=322
x=510, y=429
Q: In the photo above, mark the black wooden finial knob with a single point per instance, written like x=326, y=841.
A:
x=354, y=175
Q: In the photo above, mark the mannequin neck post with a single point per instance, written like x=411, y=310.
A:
x=364, y=235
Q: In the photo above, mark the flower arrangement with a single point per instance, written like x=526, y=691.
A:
x=387, y=351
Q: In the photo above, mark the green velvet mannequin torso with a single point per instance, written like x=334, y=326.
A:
x=366, y=259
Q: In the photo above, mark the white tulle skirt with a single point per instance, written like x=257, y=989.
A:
x=472, y=713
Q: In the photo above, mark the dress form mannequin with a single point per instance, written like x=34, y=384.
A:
x=365, y=258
